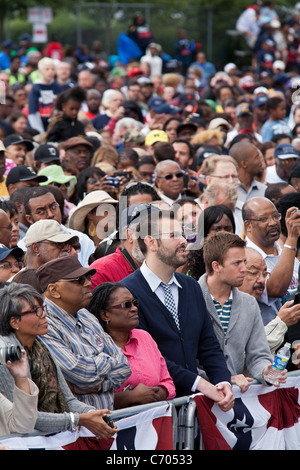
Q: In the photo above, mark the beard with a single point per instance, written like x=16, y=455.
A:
x=136, y=253
x=175, y=260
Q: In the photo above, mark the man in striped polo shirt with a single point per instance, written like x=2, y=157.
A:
x=235, y=315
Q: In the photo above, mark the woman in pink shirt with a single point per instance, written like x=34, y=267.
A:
x=117, y=311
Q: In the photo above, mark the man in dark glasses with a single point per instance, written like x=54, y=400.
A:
x=90, y=361
x=169, y=181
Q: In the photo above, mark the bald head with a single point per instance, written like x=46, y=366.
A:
x=241, y=150
x=252, y=206
x=256, y=274
x=169, y=179
x=166, y=165
x=248, y=157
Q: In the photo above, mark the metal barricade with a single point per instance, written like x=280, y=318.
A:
x=185, y=426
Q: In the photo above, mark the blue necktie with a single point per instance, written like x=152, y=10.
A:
x=170, y=303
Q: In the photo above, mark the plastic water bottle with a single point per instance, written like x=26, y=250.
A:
x=279, y=364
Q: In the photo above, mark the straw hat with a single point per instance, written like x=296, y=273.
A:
x=91, y=200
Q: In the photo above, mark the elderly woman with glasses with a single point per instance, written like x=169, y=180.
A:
x=117, y=312
x=22, y=322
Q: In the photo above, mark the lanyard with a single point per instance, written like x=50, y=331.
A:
x=129, y=258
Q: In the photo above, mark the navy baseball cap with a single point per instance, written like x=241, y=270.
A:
x=285, y=151
x=167, y=109
x=260, y=100
x=17, y=252
x=155, y=102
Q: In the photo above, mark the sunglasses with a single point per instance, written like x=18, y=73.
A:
x=170, y=176
x=80, y=280
x=128, y=304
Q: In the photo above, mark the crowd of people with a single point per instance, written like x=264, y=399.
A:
x=149, y=224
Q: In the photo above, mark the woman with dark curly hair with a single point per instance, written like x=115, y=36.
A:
x=213, y=219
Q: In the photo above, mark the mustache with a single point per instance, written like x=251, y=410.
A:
x=259, y=286
x=272, y=229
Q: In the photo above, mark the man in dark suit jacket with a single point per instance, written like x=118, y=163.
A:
x=179, y=322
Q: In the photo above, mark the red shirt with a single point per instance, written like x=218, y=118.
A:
x=110, y=268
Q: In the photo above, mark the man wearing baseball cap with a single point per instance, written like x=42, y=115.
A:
x=91, y=362
x=17, y=148
x=46, y=240
x=260, y=112
x=286, y=155
x=23, y=176
x=154, y=136
x=45, y=154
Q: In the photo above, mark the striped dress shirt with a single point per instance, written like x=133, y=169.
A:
x=87, y=356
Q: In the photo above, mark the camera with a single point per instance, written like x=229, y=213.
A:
x=10, y=353
x=126, y=174
x=113, y=181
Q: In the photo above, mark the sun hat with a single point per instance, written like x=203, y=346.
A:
x=55, y=174
x=89, y=202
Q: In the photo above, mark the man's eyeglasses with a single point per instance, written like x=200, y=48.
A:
x=38, y=311
x=9, y=265
x=227, y=177
x=256, y=274
x=79, y=280
x=44, y=210
x=272, y=218
x=127, y=305
x=170, y=176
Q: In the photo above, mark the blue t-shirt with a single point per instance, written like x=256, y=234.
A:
x=272, y=128
x=41, y=100
x=4, y=61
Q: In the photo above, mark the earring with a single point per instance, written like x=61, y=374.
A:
x=92, y=229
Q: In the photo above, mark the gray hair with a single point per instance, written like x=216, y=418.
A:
x=212, y=193
x=128, y=123
x=12, y=298
x=108, y=96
